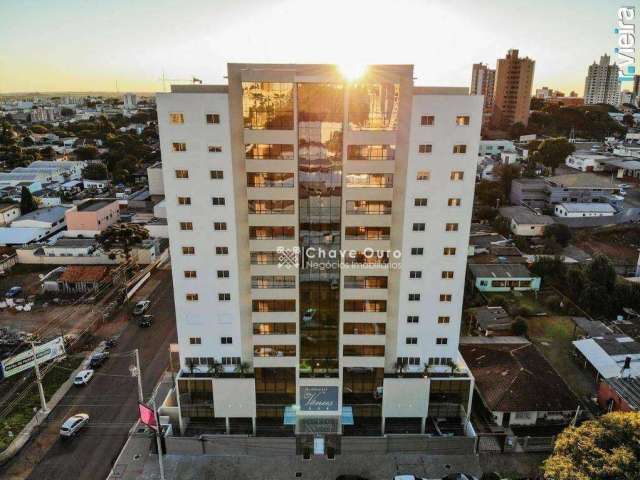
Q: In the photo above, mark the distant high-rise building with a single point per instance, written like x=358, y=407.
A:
x=602, y=84
x=483, y=81
x=130, y=100
x=636, y=85
x=512, y=97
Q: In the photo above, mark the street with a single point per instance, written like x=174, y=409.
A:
x=110, y=399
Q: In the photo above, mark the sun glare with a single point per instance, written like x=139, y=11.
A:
x=352, y=71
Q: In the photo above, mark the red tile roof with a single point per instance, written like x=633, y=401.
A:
x=84, y=273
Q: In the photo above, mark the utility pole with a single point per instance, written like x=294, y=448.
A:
x=139, y=375
x=158, y=440
x=43, y=400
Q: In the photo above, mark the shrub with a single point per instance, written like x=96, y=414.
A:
x=520, y=327
x=497, y=301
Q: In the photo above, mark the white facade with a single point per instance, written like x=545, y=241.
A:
x=154, y=177
x=494, y=147
x=602, y=84
x=574, y=210
x=587, y=161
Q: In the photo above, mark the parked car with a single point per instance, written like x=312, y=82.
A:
x=13, y=292
x=72, y=425
x=83, y=377
x=141, y=307
x=145, y=321
x=98, y=359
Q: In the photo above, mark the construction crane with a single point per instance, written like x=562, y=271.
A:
x=164, y=80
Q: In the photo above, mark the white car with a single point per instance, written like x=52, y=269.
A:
x=83, y=377
x=73, y=425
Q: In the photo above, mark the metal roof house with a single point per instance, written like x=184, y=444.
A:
x=503, y=278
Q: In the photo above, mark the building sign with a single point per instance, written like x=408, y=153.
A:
x=318, y=398
x=24, y=361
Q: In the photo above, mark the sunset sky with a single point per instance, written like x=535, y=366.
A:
x=88, y=45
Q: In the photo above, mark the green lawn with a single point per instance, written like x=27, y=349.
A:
x=23, y=411
x=524, y=299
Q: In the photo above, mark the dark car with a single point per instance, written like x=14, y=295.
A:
x=141, y=307
x=13, y=292
x=145, y=321
x=98, y=359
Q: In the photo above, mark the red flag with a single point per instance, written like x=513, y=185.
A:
x=147, y=416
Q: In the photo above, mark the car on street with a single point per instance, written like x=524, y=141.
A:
x=98, y=359
x=73, y=425
x=145, y=321
x=13, y=292
x=141, y=307
x=83, y=377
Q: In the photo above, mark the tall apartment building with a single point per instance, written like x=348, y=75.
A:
x=483, y=83
x=319, y=232
x=512, y=96
x=602, y=84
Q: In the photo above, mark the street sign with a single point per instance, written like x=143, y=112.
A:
x=24, y=361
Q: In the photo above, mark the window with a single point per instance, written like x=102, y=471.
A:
x=273, y=281
x=368, y=306
x=442, y=341
x=223, y=273
x=182, y=173
x=371, y=152
x=230, y=360
x=195, y=341
x=266, y=306
x=268, y=151
x=419, y=227
x=462, y=120
x=214, y=148
x=274, y=350
x=427, y=120
x=368, y=207
x=459, y=149
x=267, y=105
x=451, y=227
x=444, y=320
x=440, y=361
x=414, y=297
x=363, y=350
x=224, y=297
x=188, y=250
x=190, y=274
x=413, y=361
x=425, y=148
x=415, y=274
x=215, y=201
x=176, y=118
x=179, y=147
x=219, y=226
x=423, y=175
x=267, y=207
x=191, y=297
x=449, y=251
x=271, y=233
x=270, y=179
x=186, y=226
x=457, y=175
x=373, y=106
x=447, y=274
x=420, y=202
x=365, y=180
x=411, y=340
x=184, y=200
x=454, y=202
x=417, y=251
x=216, y=174
x=274, y=328
x=365, y=282
x=265, y=258
x=212, y=118
x=364, y=328
x=445, y=297
x=367, y=233
x=413, y=318
x=226, y=340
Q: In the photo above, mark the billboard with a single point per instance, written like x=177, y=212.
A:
x=24, y=361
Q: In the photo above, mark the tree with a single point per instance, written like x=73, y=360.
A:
x=606, y=448
x=489, y=193
x=560, y=232
x=554, y=151
x=486, y=212
x=517, y=130
x=628, y=120
x=520, y=327
x=601, y=272
x=95, y=171
x=39, y=129
x=506, y=174
x=536, y=103
x=27, y=203
x=122, y=237
x=86, y=153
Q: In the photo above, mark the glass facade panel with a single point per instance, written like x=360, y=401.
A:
x=374, y=106
x=267, y=105
x=371, y=152
x=268, y=151
x=320, y=119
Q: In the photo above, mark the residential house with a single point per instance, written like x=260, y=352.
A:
x=50, y=219
x=606, y=355
x=503, y=278
x=92, y=217
x=574, y=210
x=83, y=278
x=619, y=394
x=490, y=320
x=525, y=222
x=9, y=213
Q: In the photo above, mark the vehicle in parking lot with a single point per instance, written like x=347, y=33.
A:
x=145, y=321
x=13, y=292
x=72, y=425
x=83, y=377
x=141, y=307
x=98, y=359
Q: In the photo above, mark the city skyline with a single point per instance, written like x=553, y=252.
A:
x=142, y=41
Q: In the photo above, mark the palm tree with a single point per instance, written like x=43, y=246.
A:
x=243, y=368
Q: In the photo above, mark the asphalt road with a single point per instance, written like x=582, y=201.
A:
x=110, y=398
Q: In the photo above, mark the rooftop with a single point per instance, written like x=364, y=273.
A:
x=497, y=270
x=582, y=180
x=73, y=242
x=47, y=214
x=20, y=236
x=607, y=354
x=588, y=207
x=491, y=317
x=84, y=273
x=525, y=216
x=513, y=377
x=95, y=204
x=628, y=389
